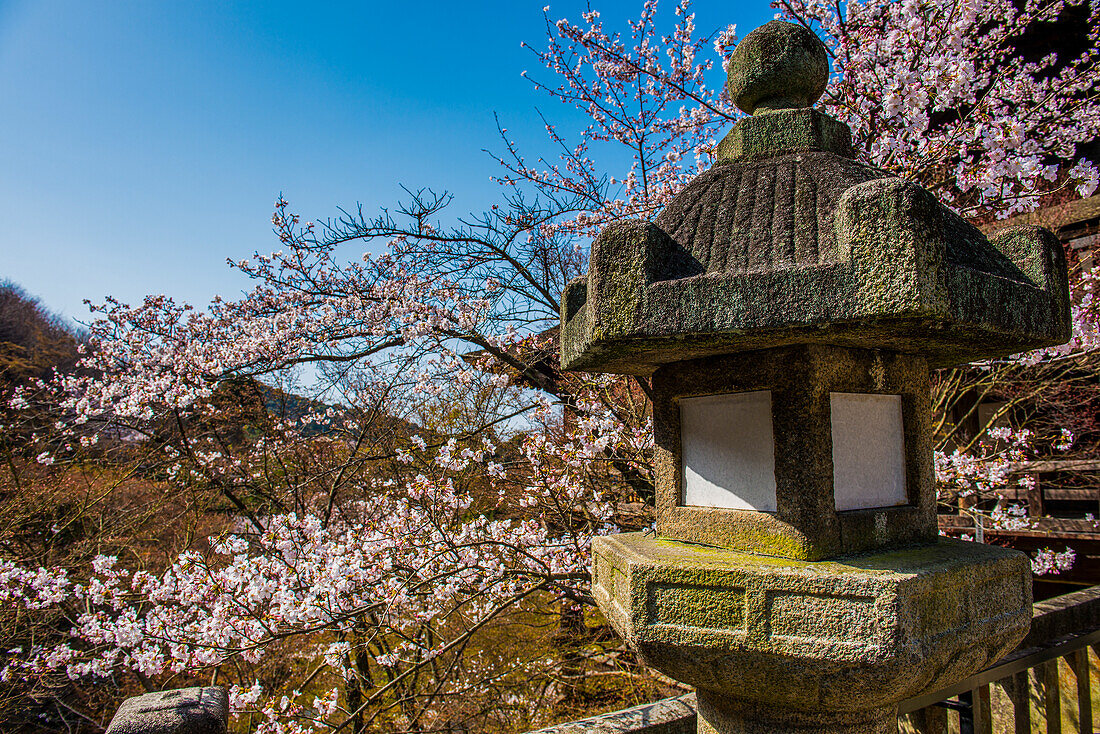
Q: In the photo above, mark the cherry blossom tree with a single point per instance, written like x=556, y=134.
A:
x=437, y=480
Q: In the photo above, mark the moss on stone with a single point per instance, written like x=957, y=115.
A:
x=861, y=632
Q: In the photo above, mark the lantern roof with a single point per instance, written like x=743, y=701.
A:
x=788, y=239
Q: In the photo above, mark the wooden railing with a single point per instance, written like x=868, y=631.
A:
x=1038, y=493
x=1049, y=684
x=1045, y=690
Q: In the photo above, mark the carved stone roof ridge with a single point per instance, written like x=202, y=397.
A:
x=742, y=216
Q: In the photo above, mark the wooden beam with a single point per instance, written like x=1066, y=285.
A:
x=1052, y=465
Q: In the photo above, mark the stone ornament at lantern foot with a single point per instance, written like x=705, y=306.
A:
x=181, y=711
x=789, y=304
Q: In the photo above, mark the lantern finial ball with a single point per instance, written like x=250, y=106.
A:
x=779, y=65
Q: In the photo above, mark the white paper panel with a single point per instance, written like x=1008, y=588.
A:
x=868, y=451
x=728, y=451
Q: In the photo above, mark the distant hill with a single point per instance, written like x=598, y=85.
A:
x=33, y=341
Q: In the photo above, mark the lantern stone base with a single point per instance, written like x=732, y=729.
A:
x=780, y=645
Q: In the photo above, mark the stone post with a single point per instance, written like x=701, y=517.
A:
x=789, y=304
x=180, y=711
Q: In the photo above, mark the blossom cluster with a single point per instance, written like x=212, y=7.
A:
x=1050, y=562
x=938, y=91
x=421, y=547
x=646, y=91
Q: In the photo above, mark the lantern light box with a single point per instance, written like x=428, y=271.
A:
x=728, y=451
x=868, y=451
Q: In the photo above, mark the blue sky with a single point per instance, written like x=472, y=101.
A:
x=143, y=142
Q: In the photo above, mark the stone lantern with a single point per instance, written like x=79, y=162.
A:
x=789, y=303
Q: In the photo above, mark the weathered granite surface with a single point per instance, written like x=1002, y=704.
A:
x=777, y=66
x=181, y=711
x=667, y=716
x=1051, y=622
x=876, y=263
x=806, y=525
x=828, y=644
x=789, y=240
x=788, y=131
